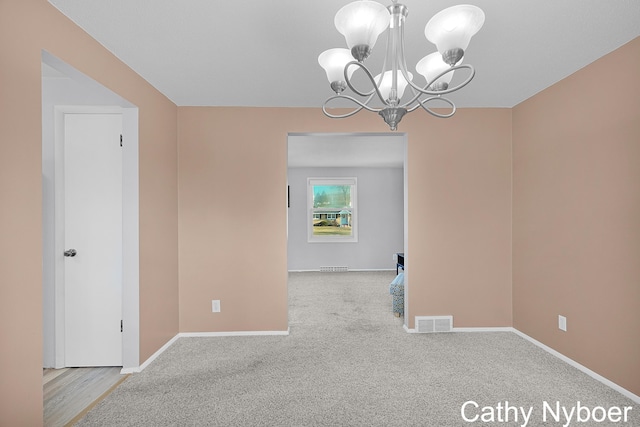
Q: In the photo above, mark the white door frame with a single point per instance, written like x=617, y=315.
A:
x=130, y=231
x=405, y=168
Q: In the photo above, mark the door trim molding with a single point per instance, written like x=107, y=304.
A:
x=130, y=228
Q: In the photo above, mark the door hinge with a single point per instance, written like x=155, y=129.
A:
x=120, y=325
x=120, y=140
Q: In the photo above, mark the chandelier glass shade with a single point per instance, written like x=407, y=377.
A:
x=385, y=84
x=362, y=22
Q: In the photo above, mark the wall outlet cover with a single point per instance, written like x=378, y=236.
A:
x=562, y=323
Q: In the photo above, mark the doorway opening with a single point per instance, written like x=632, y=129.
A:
x=67, y=91
x=378, y=161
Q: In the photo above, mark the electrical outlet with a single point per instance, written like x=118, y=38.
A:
x=562, y=323
x=215, y=306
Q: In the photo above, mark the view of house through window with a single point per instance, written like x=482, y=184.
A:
x=332, y=209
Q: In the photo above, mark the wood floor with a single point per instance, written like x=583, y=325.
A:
x=69, y=393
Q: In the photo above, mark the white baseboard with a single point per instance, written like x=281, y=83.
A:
x=488, y=329
x=580, y=367
x=553, y=352
x=150, y=359
x=198, y=334
x=230, y=334
x=407, y=330
x=548, y=349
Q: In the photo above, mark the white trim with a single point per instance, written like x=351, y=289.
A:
x=548, y=349
x=150, y=359
x=407, y=330
x=198, y=335
x=130, y=235
x=101, y=100
x=489, y=329
x=231, y=334
x=130, y=239
x=405, y=231
x=580, y=367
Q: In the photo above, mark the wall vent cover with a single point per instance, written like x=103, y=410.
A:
x=432, y=324
x=334, y=269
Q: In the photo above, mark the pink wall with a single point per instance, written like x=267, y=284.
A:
x=575, y=209
x=576, y=216
x=232, y=187
x=20, y=229
x=459, y=257
x=233, y=206
x=26, y=28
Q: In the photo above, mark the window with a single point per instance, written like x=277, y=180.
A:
x=332, y=209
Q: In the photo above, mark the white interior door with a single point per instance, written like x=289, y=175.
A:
x=93, y=229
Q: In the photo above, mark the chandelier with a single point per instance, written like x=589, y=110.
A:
x=361, y=23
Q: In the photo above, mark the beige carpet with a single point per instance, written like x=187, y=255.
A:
x=348, y=362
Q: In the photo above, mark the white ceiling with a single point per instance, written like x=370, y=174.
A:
x=264, y=53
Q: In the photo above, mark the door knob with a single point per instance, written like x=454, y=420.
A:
x=70, y=252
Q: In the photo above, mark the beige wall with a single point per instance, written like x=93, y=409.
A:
x=26, y=28
x=575, y=209
x=459, y=255
x=232, y=203
x=233, y=206
x=576, y=216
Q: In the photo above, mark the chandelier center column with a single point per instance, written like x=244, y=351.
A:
x=396, y=26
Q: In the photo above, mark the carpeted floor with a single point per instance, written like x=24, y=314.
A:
x=348, y=362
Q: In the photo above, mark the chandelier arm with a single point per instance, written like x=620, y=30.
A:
x=416, y=98
x=375, y=89
x=416, y=95
x=472, y=74
x=361, y=105
x=426, y=91
x=422, y=103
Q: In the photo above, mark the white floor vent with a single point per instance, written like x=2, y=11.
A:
x=431, y=324
x=334, y=269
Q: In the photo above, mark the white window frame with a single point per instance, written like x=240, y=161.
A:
x=353, y=182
